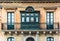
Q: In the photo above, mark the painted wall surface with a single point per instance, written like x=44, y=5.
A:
x=22, y=7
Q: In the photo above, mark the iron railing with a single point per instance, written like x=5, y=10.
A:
x=31, y=26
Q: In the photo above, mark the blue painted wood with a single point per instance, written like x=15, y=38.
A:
x=10, y=27
x=30, y=26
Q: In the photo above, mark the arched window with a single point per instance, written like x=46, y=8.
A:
x=30, y=39
x=10, y=39
x=29, y=9
x=50, y=39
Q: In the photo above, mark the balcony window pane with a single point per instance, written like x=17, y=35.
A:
x=23, y=14
x=23, y=19
x=27, y=14
x=32, y=14
x=36, y=14
x=27, y=19
x=32, y=19
x=36, y=19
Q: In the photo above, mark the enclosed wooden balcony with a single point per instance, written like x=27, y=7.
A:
x=30, y=28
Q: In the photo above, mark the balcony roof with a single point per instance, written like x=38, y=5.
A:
x=31, y=1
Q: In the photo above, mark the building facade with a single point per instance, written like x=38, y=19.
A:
x=29, y=20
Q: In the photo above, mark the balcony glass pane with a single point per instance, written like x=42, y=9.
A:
x=36, y=14
x=32, y=19
x=23, y=14
x=23, y=19
x=32, y=14
x=27, y=19
x=27, y=14
x=36, y=19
